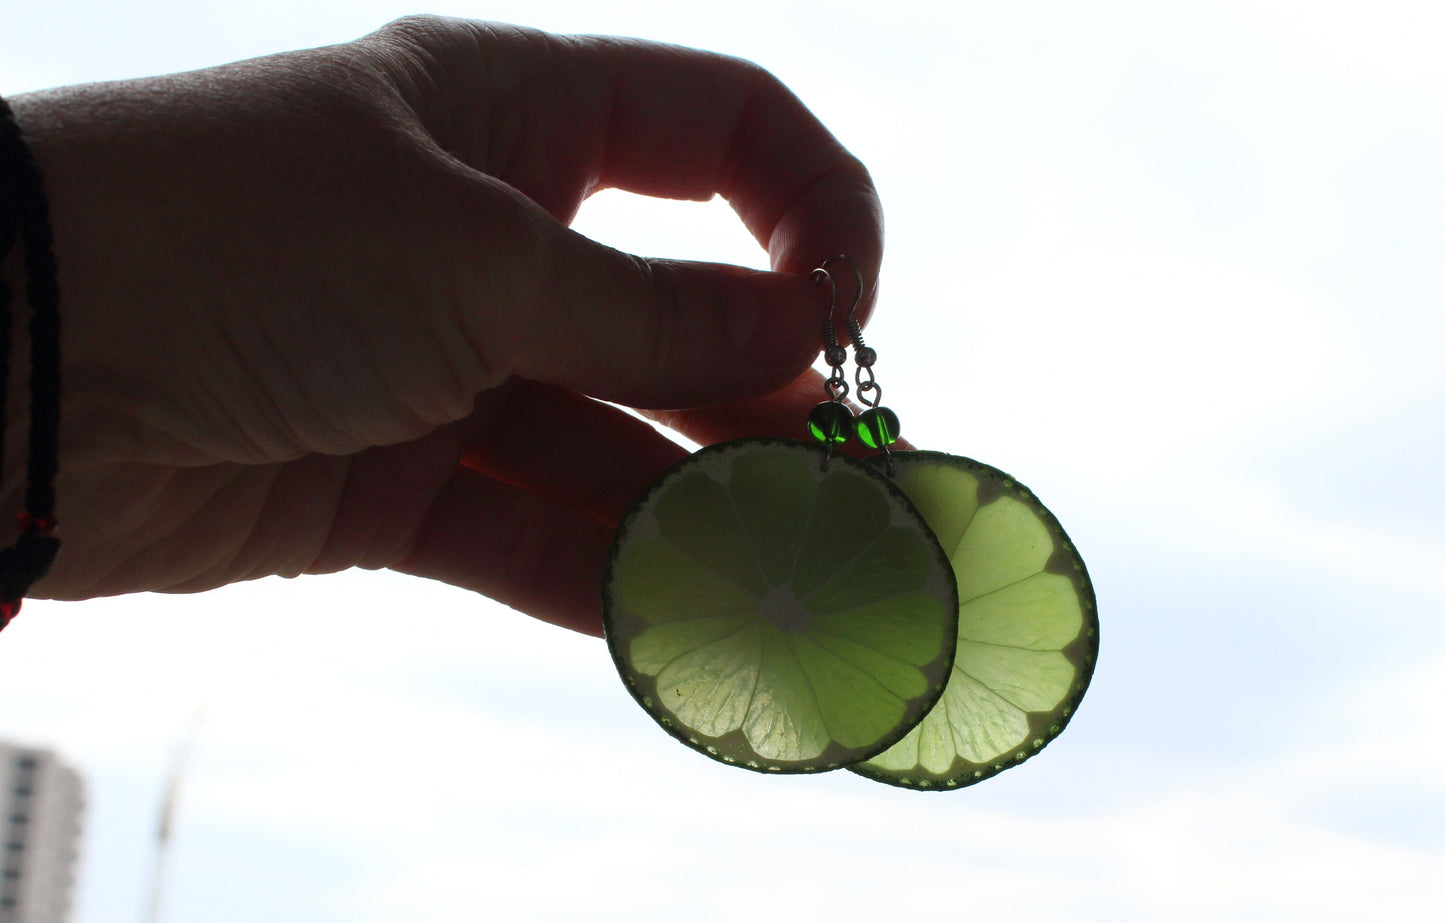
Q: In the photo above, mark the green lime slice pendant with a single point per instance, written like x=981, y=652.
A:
x=779, y=609
x=1028, y=628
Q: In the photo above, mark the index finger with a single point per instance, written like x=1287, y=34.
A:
x=560, y=117
x=690, y=124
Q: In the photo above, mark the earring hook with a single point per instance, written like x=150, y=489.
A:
x=852, y=322
x=834, y=354
x=821, y=274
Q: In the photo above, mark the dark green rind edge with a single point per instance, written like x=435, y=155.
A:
x=1083, y=652
x=829, y=759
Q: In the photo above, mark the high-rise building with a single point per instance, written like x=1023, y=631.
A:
x=41, y=804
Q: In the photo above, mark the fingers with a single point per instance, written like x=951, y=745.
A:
x=782, y=414
x=528, y=519
x=556, y=118
x=529, y=552
x=654, y=333
x=559, y=117
x=571, y=449
x=692, y=124
x=689, y=124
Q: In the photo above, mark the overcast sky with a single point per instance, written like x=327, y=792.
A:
x=1175, y=266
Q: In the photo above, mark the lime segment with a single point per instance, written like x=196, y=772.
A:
x=1028, y=630
x=777, y=613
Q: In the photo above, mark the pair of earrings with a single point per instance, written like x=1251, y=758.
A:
x=917, y=617
x=832, y=422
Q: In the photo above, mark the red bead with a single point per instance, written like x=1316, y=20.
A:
x=9, y=608
x=42, y=525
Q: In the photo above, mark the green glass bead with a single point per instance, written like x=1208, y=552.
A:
x=878, y=427
x=831, y=423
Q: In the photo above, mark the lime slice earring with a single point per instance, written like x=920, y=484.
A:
x=778, y=606
x=1028, y=629
x=919, y=618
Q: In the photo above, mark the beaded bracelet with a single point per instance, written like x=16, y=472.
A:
x=25, y=217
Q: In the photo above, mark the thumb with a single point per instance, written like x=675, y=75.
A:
x=665, y=333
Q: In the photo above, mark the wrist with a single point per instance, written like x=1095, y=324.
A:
x=16, y=419
x=25, y=233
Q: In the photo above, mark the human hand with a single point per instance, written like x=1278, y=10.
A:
x=322, y=309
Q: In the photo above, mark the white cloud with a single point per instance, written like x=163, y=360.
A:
x=491, y=805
